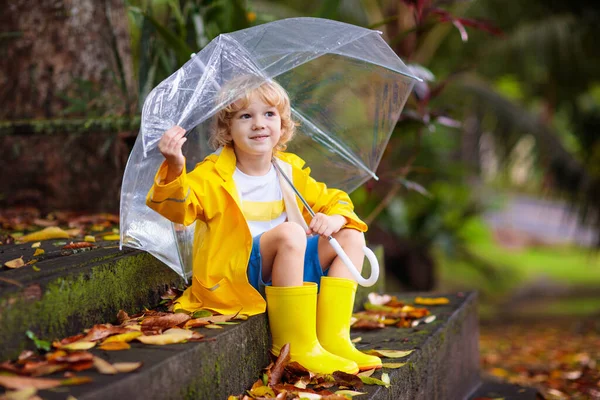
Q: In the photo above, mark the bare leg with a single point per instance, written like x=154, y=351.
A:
x=282, y=251
x=352, y=241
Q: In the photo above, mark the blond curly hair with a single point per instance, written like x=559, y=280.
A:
x=268, y=91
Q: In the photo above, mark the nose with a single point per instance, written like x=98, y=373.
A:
x=258, y=125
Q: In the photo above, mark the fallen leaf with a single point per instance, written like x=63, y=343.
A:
x=62, y=356
x=390, y=353
x=123, y=337
x=431, y=301
x=366, y=373
x=74, y=232
x=262, y=391
x=36, y=245
x=104, y=367
x=111, y=237
x=101, y=331
x=114, y=346
x=212, y=326
x=356, y=340
x=38, y=252
x=373, y=381
x=81, y=345
x=76, y=380
x=169, y=337
x=392, y=365
x=163, y=322
x=375, y=298
x=89, y=239
x=23, y=394
x=350, y=393
x=78, y=245
x=282, y=360
x=51, y=232
x=23, y=382
x=348, y=380
x=125, y=367
x=385, y=378
x=196, y=323
x=367, y=324
x=16, y=263
x=122, y=316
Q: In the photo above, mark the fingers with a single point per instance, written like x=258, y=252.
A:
x=320, y=224
x=170, y=145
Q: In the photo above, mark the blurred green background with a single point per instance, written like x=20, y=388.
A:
x=491, y=180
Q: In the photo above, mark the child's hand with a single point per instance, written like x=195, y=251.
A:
x=170, y=147
x=326, y=225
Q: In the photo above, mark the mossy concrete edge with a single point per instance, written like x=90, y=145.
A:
x=81, y=297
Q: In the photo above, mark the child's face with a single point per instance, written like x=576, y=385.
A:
x=255, y=129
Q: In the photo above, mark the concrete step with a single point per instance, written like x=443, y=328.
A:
x=75, y=291
x=69, y=291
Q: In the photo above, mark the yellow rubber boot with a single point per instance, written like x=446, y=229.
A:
x=334, y=310
x=292, y=318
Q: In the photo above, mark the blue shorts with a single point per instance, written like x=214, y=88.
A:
x=312, y=267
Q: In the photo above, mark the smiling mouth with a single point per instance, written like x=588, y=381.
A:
x=259, y=137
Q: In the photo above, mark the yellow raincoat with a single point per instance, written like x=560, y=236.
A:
x=223, y=243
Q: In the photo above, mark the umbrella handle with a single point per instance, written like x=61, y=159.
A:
x=370, y=256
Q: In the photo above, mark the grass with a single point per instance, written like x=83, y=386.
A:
x=546, y=266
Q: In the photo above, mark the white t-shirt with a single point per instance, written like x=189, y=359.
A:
x=262, y=200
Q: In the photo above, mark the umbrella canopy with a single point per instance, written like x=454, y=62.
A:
x=347, y=89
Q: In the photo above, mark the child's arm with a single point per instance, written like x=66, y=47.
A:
x=174, y=195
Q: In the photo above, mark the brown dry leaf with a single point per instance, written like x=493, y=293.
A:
x=78, y=245
x=122, y=316
x=124, y=367
x=366, y=373
x=160, y=323
x=47, y=369
x=348, y=380
x=101, y=331
x=196, y=323
x=431, y=301
x=16, y=263
x=51, y=232
x=114, y=346
x=282, y=360
x=123, y=337
x=62, y=356
x=104, y=367
x=71, y=339
x=169, y=337
x=366, y=324
x=81, y=345
x=23, y=382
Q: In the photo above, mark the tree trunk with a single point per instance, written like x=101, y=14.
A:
x=53, y=50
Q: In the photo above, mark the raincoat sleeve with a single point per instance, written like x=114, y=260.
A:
x=179, y=200
x=331, y=201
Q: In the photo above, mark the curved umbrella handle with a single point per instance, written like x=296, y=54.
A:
x=370, y=256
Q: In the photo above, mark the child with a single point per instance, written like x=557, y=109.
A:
x=251, y=235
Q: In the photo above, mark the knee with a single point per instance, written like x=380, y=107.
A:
x=291, y=237
x=351, y=238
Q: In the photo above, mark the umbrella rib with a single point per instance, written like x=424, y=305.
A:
x=338, y=148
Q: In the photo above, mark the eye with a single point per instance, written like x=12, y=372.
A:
x=270, y=113
x=245, y=116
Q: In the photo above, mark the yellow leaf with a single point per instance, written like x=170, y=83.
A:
x=89, y=239
x=123, y=337
x=262, y=391
x=104, y=367
x=51, y=232
x=431, y=301
x=23, y=382
x=75, y=346
x=356, y=340
x=76, y=380
x=213, y=326
x=74, y=232
x=111, y=237
x=114, y=346
x=393, y=365
x=169, y=337
x=385, y=378
x=125, y=367
x=36, y=245
x=38, y=252
x=366, y=373
x=350, y=393
x=22, y=394
x=390, y=353
x=16, y=263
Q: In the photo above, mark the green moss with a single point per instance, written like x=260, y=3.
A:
x=76, y=301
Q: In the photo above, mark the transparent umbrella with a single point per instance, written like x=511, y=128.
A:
x=347, y=89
